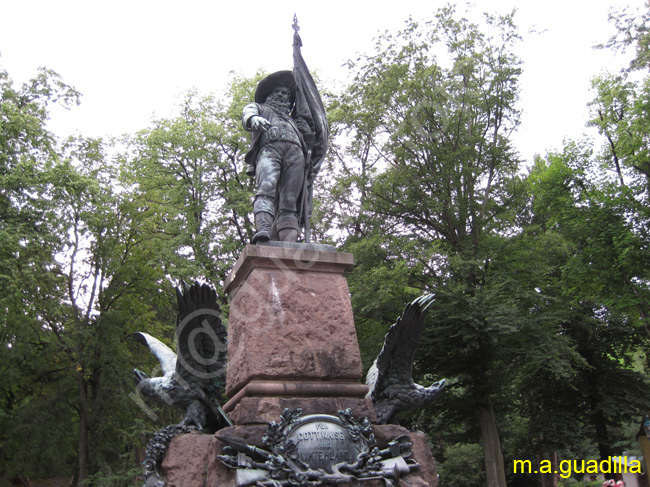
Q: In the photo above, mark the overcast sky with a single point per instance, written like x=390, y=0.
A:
x=131, y=59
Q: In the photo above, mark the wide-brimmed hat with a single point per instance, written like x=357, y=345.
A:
x=279, y=78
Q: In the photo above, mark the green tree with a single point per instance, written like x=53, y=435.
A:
x=574, y=203
x=77, y=275
x=632, y=29
x=619, y=111
x=80, y=298
x=463, y=467
x=187, y=172
x=428, y=181
x=29, y=363
x=91, y=247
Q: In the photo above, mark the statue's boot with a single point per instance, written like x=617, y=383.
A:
x=263, y=224
x=287, y=228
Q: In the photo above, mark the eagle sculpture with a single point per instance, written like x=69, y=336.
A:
x=193, y=379
x=390, y=378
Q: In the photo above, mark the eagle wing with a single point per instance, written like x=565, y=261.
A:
x=162, y=352
x=394, y=363
x=201, y=338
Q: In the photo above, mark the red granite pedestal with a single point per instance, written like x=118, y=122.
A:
x=292, y=344
x=292, y=341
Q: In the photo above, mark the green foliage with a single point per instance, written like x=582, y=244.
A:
x=463, y=466
x=186, y=174
x=633, y=29
x=599, y=220
x=619, y=112
x=540, y=281
x=32, y=365
x=89, y=248
x=599, y=284
x=427, y=188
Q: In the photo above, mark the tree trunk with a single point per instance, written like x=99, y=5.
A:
x=492, y=457
x=549, y=479
x=602, y=437
x=83, y=430
x=598, y=419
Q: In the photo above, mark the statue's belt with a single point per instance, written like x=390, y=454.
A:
x=275, y=133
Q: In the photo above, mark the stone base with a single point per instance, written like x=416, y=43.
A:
x=191, y=459
x=262, y=410
x=292, y=344
x=290, y=318
x=263, y=401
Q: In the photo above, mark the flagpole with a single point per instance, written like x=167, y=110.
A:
x=308, y=169
x=305, y=199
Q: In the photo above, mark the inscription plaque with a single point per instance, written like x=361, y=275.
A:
x=322, y=441
x=317, y=450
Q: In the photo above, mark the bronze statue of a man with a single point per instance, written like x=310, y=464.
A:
x=290, y=137
x=277, y=157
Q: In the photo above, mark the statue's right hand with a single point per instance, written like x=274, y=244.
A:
x=259, y=123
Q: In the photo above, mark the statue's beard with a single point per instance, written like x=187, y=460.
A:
x=280, y=104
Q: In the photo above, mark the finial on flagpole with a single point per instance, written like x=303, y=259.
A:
x=297, y=41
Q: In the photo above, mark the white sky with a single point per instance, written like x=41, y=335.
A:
x=131, y=59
